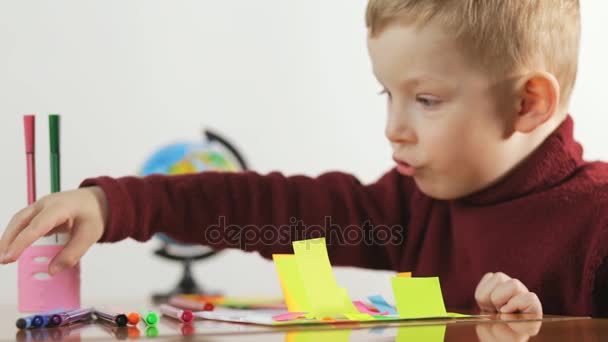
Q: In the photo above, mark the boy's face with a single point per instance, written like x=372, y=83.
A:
x=444, y=121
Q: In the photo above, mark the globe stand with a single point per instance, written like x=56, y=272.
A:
x=187, y=284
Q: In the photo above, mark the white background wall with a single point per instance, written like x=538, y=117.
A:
x=290, y=81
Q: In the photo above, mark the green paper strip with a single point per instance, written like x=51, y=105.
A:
x=418, y=297
x=293, y=288
x=319, y=282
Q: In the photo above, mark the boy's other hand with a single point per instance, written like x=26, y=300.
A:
x=81, y=212
x=497, y=292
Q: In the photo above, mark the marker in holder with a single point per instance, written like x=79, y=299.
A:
x=37, y=289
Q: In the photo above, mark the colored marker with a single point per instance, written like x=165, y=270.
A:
x=185, y=316
x=72, y=316
x=43, y=319
x=24, y=322
x=191, y=305
x=150, y=318
x=55, y=164
x=34, y=321
x=54, y=127
x=111, y=317
x=29, y=126
x=133, y=318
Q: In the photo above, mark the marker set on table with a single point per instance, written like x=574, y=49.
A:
x=179, y=309
x=60, y=317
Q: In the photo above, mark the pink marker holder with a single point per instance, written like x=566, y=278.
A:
x=38, y=290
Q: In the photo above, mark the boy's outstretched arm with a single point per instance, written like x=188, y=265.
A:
x=363, y=224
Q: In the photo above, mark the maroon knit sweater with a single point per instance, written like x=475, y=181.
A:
x=544, y=223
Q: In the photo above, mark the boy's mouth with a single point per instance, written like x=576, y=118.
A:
x=404, y=168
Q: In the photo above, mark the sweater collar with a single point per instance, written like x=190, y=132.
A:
x=555, y=160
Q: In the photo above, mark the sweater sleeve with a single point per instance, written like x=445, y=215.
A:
x=364, y=225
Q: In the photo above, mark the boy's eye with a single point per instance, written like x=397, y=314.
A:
x=384, y=91
x=427, y=101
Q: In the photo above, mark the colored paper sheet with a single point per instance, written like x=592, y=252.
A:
x=289, y=316
x=404, y=274
x=239, y=302
x=364, y=309
x=381, y=305
x=287, y=319
x=324, y=296
x=291, y=283
x=427, y=333
x=418, y=297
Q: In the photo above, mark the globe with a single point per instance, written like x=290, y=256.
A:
x=212, y=153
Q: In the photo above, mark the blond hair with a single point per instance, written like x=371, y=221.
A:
x=499, y=35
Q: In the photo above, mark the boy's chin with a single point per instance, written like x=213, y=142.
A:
x=442, y=190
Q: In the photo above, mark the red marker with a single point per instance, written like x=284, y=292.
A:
x=185, y=316
x=29, y=126
x=191, y=305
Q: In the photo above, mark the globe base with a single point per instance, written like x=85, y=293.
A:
x=186, y=286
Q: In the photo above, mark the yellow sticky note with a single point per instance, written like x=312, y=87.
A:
x=404, y=274
x=291, y=283
x=319, y=282
x=427, y=333
x=291, y=303
x=458, y=315
x=418, y=297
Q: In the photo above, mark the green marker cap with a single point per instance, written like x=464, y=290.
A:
x=152, y=318
x=54, y=132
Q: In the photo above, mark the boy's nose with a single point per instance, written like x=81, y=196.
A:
x=398, y=131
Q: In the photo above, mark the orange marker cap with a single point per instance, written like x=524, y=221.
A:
x=133, y=318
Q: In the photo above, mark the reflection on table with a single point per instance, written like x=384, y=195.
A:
x=499, y=327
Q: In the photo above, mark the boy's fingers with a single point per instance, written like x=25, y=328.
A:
x=505, y=291
x=483, y=292
x=16, y=225
x=480, y=290
x=486, y=277
x=45, y=221
x=525, y=303
x=69, y=256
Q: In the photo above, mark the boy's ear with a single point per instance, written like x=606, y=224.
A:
x=538, y=100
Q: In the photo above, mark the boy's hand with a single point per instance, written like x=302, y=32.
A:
x=80, y=212
x=497, y=292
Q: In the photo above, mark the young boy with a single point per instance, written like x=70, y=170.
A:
x=488, y=175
